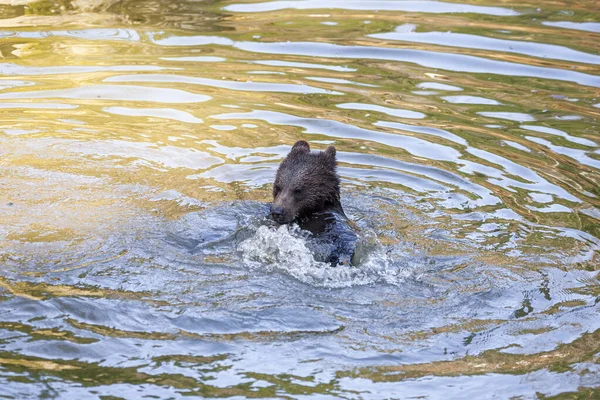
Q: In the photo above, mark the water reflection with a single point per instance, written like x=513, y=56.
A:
x=87, y=34
x=334, y=129
x=558, y=132
x=138, y=144
x=408, y=6
x=429, y=59
x=583, y=26
x=167, y=113
x=511, y=116
x=243, y=86
x=394, y=112
x=277, y=63
x=407, y=34
x=470, y=100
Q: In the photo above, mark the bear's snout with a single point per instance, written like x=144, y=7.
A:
x=279, y=215
x=276, y=212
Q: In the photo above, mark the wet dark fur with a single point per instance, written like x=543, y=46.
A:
x=306, y=183
x=307, y=191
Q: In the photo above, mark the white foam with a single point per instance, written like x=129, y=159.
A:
x=285, y=249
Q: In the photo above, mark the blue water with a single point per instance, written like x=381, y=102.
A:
x=138, y=145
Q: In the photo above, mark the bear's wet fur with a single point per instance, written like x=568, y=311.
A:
x=307, y=191
x=306, y=183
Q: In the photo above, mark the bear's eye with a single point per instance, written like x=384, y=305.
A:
x=277, y=189
x=297, y=191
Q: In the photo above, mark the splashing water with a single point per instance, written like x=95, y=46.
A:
x=286, y=249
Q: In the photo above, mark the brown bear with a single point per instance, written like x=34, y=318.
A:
x=305, y=183
x=307, y=191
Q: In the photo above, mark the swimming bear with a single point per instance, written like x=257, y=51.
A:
x=307, y=191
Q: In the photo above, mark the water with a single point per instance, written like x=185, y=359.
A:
x=138, y=142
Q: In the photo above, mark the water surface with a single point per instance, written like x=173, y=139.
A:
x=138, y=144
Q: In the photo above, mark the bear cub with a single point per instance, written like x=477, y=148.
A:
x=305, y=183
x=307, y=191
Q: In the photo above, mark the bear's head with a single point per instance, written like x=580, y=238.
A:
x=305, y=183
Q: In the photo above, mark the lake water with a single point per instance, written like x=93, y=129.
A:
x=138, y=144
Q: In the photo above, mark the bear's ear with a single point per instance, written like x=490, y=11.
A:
x=330, y=152
x=301, y=145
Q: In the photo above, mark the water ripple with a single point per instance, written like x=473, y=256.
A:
x=14, y=69
x=138, y=146
x=278, y=63
x=113, y=92
x=243, y=86
x=88, y=34
x=337, y=129
x=430, y=59
x=167, y=113
x=581, y=26
x=426, y=6
x=488, y=43
x=394, y=112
